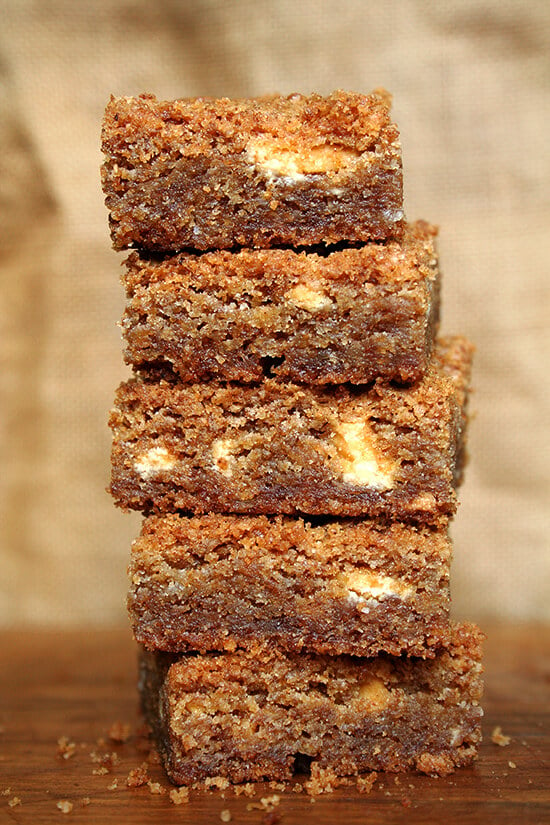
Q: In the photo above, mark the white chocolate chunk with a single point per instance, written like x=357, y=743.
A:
x=307, y=297
x=375, y=693
x=360, y=461
x=370, y=585
x=154, y=461
x=222, y=452
x=276, y=159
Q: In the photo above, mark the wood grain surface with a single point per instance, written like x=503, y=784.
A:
x=78, y=684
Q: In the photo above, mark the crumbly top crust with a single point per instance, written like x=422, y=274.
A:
x=348, y=120
x=412, y=260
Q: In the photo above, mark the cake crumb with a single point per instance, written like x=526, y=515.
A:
x=65, y=806
x=14, y=802
x=499, y=738
x=365, y=783
x=85, y=801
x=119, y=732
x=266, y=803
x=5, y=792
x=512, y=765
x=156, y=787
x=219, y=782
x=101, y=771
x=225, y=815
x=138, y=776
x=179, y=796
x=113, y=786
x=322, y=780
x=247, y=788
x=65, y=748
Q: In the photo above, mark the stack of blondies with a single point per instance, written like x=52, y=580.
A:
x=294, y=434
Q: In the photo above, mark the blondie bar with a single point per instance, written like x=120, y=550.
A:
x=205, y=173
x=353, y=315
x=219, y=582
x=254, y=715
x=279, y=447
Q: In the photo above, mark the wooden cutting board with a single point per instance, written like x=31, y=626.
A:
x=79, y=684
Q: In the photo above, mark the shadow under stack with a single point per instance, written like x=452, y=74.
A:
x=294, y=434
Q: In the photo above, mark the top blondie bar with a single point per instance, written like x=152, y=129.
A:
x=203, y=173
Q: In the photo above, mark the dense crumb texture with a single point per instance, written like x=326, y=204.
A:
x=254, y=715
x=284, y=448
x=353, y=315
x=205, y=173
x=220, y=582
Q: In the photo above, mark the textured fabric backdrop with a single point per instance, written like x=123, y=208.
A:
x=471, y=85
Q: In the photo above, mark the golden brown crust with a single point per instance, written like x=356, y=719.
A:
x=354, y=315
x=277, y=447
x=357, y=587
x=206, y=173
x=222, y=714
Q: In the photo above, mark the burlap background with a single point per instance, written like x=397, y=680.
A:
x=471, y=87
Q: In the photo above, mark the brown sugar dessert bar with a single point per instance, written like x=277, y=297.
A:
x=219, y=582
x=354, y=315
x=284, y=448
x=253, y=715
x=206, y=173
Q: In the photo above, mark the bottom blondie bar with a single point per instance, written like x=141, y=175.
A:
x=258, y=714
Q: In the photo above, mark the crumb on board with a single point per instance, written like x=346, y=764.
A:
x=119, y=732
x=65, y=747
x=366, y=782
x=179, y=796
x=499, y=738
x=225, y=815
x=512, y=765
x=246, y=788
x=65, y=806
x=138, y=776
x=14, y=802
x=5, y=792
x=155, y=787
x=113, y=785
x=266, y=803
x=85, y=801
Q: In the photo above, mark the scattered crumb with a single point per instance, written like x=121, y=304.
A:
x=101, y=771
x=113, y=786
x=499, y=738
x=298, y=787
x=219, y=782
x=85, y=801
x=65, y=806
x=156, y=787
x=266, y=803
x=225, y=815
x=179, y=796
x=322, y=780
x=277, y=786
x=248, y=789
x=65, y=748
x=365, y=783
x=512, y=765
x=138, y=776
x=119, y=732
x=5, y=792
x=106, y=760
x=14, y=801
